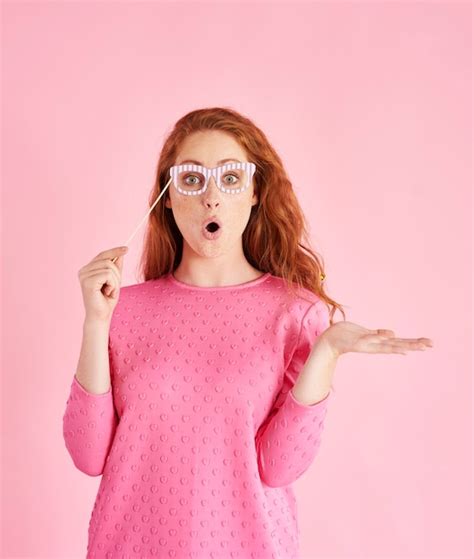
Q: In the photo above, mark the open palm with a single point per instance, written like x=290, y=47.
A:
x=343, y=337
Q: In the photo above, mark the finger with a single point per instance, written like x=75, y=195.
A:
x=401, y=346
x=378, y=338
x=410, y=343
x=382, y=332
x=389, y=334
x=119, y=263
x=100, y=265
x=104, y=280
x=412, y=340
x=91, y=265
x=382, y=347
x=110, y=253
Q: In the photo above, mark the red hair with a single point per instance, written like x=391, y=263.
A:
x=276, y=237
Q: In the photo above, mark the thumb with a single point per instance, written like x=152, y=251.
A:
x=119, y=262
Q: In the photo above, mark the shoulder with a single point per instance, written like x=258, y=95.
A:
x=138, y=297
x=144, y=288
x=299, y=300
x=302, y=312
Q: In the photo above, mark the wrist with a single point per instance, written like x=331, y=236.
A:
x=324, y=347
x=94, y=324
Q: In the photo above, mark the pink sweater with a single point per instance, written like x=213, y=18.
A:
x=200, y=437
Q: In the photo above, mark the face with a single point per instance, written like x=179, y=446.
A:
x=233, y=210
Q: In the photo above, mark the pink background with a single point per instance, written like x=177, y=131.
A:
x=369, y=107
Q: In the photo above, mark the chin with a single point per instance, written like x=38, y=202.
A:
x=208, y=249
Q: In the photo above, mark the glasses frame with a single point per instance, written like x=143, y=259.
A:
x=215, y=172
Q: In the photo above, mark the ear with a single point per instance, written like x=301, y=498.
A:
x=167, y=201
x=254, y=200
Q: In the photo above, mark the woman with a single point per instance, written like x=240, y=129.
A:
x=201, y=393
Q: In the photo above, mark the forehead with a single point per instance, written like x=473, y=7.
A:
x=209, y=147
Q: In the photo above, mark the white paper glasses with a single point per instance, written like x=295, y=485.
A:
x=231, y=178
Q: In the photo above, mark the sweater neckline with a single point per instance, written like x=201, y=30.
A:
x=246, y=284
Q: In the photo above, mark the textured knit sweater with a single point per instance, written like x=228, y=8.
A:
x=200, y=436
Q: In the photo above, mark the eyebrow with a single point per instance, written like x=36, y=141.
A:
x=198, y=163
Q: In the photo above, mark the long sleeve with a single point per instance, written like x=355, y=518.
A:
x=89, y=424
x=288, y=440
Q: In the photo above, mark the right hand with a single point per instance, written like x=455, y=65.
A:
x=100, y=283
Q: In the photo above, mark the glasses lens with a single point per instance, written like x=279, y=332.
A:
x=229, y=180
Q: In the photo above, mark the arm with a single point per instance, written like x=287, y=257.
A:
x=90, y=421
x=288, y=440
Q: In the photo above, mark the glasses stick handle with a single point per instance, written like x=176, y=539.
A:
x=145, y=216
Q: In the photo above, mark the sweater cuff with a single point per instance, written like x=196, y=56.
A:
x=77, y=387
x=299, y=407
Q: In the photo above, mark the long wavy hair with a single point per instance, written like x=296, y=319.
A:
x=276, y=237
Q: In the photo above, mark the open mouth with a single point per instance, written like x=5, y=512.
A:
x=212, y=227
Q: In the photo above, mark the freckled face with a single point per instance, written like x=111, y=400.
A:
x=208, y=147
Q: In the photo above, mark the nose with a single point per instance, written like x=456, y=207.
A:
x=211, y=197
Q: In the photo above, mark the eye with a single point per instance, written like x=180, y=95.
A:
x=233, y=176
x=190, y=176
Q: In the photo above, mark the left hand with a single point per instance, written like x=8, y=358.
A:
x=343, y=337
